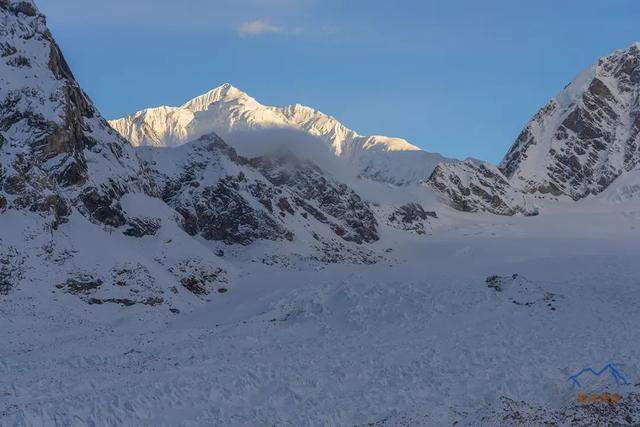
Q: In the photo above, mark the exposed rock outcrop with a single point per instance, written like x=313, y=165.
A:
x=473, y=186
x=56, y=152
x=225, y=197
x=411, y=217
x=587, y=136
x=68, y=181
x=625, y=412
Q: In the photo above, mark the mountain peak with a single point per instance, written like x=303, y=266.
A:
x=298, y=108
x=231, y=113
x=632, y=51
x=53, y=142
x=224, y=93
x=587, y=136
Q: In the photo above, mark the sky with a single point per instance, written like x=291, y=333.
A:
x=458, y=77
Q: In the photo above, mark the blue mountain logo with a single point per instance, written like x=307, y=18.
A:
x=609, y=369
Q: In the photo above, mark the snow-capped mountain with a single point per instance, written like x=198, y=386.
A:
x=78, y=213
x=581, y=142
x=56, y=150
x=227, y=111
x=82, y=215
x=587, y=136
x=227, y=198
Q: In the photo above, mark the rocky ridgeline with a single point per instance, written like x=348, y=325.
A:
x=473, y=186
x=586, y=137
x=229, y=198
x=62, y=165
x=56, y=152
x=575, y=146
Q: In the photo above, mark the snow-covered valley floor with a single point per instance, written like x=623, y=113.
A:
x=421, y=339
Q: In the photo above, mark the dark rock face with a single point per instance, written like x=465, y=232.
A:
x=224, y=214
x=473, y=186
x=411, y=217
x=56, y=152
x=132, y=284
x=584, y=139
x=11, y=269
x=354, y=220
x=126, y=302
x=80, y=285
x=225, y=197
x=220, y=209
x=103, y=207
x=197, y=278
x=140, y=227
x=24, y=7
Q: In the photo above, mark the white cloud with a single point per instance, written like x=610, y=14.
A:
x=258, y=27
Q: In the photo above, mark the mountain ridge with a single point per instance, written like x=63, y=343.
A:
x=227, y=111
x=579, y=144
x=57, y=151
x=76, y=205
x=586, y=136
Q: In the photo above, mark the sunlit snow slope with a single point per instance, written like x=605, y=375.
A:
x=230, y=112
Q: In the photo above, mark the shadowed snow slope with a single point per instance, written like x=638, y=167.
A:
x=626, y=187
x=228, y=111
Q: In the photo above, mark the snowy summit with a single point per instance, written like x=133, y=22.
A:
x=227, y=111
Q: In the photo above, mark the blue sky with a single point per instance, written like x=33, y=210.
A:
x=459, y=77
